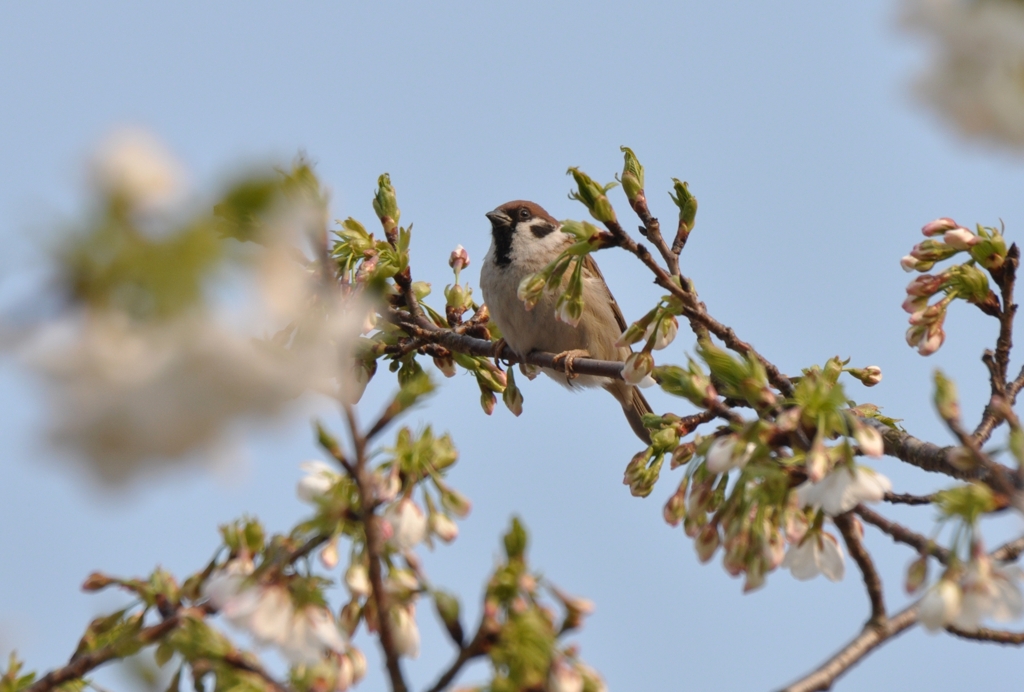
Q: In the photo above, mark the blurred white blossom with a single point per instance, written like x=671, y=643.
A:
x=132, y=392
x=303, y=635
x=989, y=591
x=404, y=632
x=319, y=479
x=940, y=605
x=843, y=489
x=818, y=553
x=134, y=165
x=975, y=76
x=407, y=525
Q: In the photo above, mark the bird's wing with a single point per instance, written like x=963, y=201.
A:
x=590, y=267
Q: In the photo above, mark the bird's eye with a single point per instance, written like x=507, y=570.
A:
x=524, y=213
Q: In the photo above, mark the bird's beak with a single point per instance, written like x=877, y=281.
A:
x=499, y=219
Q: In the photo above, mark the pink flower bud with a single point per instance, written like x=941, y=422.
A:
x=938, y=226
x=707, y=543
x=911, y=263
x=872, y=376
x=926, y=285
x=960, y=238
x=932, y=342
x=459, y=259
x=912, y=304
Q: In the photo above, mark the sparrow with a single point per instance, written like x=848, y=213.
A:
x=525, y=239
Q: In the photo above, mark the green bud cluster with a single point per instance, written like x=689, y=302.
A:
x=593, y=195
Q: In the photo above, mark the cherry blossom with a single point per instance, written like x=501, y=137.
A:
x=407, y=523
x=843, y=489
x=818, y=553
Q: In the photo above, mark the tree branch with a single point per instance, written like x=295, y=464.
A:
x=872, y=582
x=926, y=455
x=901, y=534
x=983, y=634
x=81, y=665
x=908, y=499
x=870, y=638
x=374, y=550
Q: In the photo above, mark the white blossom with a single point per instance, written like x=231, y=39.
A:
x=404, y=632
x=870, y=440
x=974, y=78
x=443, y=527
x=940, y=605
x=312, y=633
x=843, y=489
x=818, y=553
x=408, y=525
x=667, y=328
x=135, y=165
x=270, y=621
x=989, y=591
x=319, y=479
x=729, y=452
x=357, y=580
x=564, y=676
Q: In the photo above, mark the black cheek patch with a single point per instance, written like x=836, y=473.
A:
x=541, y=230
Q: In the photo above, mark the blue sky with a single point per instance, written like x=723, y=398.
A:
x=792, y=123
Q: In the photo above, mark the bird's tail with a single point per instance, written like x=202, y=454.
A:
x=634, y=405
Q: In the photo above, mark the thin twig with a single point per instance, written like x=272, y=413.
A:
x=902, y=534
x=374, y=550
x=908, y=499
x=872, y=582
x=860, y=646
x=1008, y=552
x=81, y=665
x=983, y=634
x=237, y=660
x=480, y=644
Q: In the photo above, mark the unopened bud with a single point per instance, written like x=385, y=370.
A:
x=706, y=543
x=456, y=503
x=911, y=263
x=637, y=367
x=448, y=610
x=960, y=238
x=329, y=554
x=420, y=289
x=946, y=400
x=869, y=376
x=443, y=527
x=530, y=290
x=459, y=259
x=939, y=226
x=456, y=296
x=675, y=507
x=632, y=175
x=592, y=195
x=97, y=581
x=990, y=252
x=917, y=574
x=385, y=204
x=686, y=202
x=932, y=251
x=682, y=454
x=445, y=365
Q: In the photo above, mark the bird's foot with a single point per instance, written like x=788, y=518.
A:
x=568, y=359
x=497, y=349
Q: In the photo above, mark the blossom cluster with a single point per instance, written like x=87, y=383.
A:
x=986, y=249
x=964, y=597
